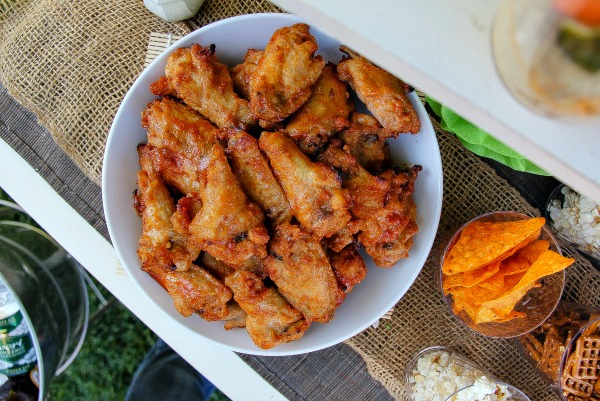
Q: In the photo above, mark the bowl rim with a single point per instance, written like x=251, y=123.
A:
x=434, y=218
x=446, y=247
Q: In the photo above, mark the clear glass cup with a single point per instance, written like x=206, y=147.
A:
x=546, y=58
x=538, y=304
x=467, y=370
x=549, y=347
x=590, y=246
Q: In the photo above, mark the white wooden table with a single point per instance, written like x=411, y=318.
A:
x=444, y=48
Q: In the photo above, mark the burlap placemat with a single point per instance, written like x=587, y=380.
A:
x=422, y=319
x=71, y=62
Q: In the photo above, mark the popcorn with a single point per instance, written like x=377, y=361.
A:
x=439, y=375
x=577, y=220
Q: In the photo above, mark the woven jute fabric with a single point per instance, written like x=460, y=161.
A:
x=422, y=319
x=71, y=62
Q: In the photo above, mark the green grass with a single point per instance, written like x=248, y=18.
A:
x=115, y=344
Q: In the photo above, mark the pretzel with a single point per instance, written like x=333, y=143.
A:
x=587, y=362
x=552, y=354
x=573, y=385
x=592, y=328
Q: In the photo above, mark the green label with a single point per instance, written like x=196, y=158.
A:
x=12, y=348
x=18, y=369
x=9, y=323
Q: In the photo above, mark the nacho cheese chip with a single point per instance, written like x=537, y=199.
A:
x=482, y=243
x=548, y=263
x=472, y=278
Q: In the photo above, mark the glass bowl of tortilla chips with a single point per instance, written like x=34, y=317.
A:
x=502, y=273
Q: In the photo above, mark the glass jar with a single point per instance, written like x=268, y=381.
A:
x=442, y=374
x=548, y=55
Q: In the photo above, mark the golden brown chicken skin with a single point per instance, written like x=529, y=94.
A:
x=192, y=290
x=173, y=125
x=286, y=74
x=314, y=190
x=195, y=291
x=203, y=83
x=270, y=319
x=325, y=113
x=154, y=204
x=300, y=268
x=348, y=266
x=366, y=140
x=178, y=171
x=241, y=73
x=229, y=226
x=252, y=169
x=383, y=209
x=381, y=92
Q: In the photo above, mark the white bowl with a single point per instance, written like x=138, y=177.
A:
x=368, y=301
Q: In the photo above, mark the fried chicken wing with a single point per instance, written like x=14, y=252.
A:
x=382, y=206
x=286, y=74
x=154, y=204
x=178, y=171
x=195, y=291
x=313, y=189
x=241, y=73
x=236, y=317
x=175, y=126
x=300, y=268
x=381, y=92
x=348, y=266
x=252, y=169
x=366, y=140
x=270, y=319
x=325, y=113
x=202, y=82
x=229, y=226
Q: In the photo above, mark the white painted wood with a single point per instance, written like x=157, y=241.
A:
x=444, y=48
x=222, y=367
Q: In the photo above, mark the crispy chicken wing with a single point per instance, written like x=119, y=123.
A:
x=365, y=140
x=313, y=189
x=154, y=204
x=229, y=226
x=236, y=317
x=178, y=171
x=195, y=291
x=252, y=168
x=348, y=266
x=270, y=319
x=241, y=73
x=286, y=74
x=325, y=113
x=381, y=92
x=175, y=126
x=382, y=206
x=202, y=82
x=300, y=268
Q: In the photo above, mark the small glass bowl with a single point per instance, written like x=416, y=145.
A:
x=538, y=304
x=557, y=199
x=465, y=366
x=552, y=360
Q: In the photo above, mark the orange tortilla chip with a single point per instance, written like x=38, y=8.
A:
x=524, y=257
x=547, y=263
x=470, y=279
x=482, y=243
x=494, y=283
x=488, y=315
